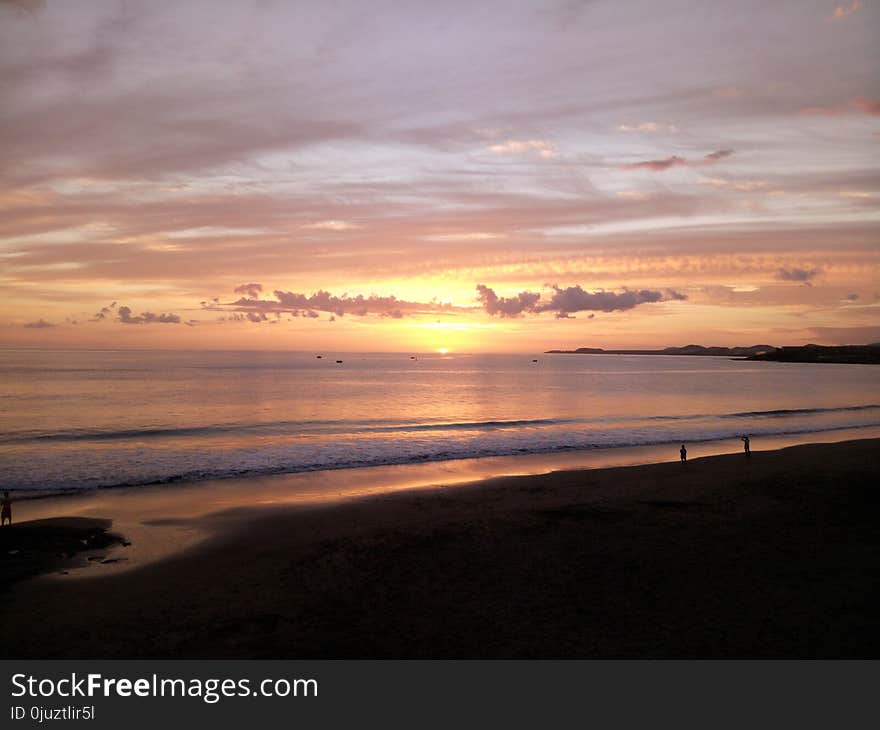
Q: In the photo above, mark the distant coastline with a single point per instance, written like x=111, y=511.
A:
x=847, y=354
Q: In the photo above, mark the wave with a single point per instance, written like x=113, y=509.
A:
x=239, y=465
x=274, y=427
x=797, y=411
x=378, y=426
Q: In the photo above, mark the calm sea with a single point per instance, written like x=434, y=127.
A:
x=73, y=420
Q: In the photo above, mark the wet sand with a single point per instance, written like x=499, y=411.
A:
x=776, y=555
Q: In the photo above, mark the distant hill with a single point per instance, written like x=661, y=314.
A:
x=747, y=352
x=856, y=354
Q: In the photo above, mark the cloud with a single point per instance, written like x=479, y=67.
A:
x=633, y=195
x=506, y=306
x=867, y=106
x=676, y=161
x=719, y=155
x=515, y=146
x=647, y=127
x=568, y=300
x=742, y=185
x=856, y=105
x=38, y=325
x=575, y=299
x=844, y=11
x=332, y=225
x=150, y=180
x=126, y=317
x=463, y=236
x=298, y=304
x=252, y=290
x=105, y=311
x=796, y=274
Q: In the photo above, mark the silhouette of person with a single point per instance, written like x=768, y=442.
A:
x=684, y=454
x=6, y=509
x=746, y=445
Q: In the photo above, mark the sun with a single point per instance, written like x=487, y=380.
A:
x=443, y=350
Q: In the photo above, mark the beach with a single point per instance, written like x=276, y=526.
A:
x=773, y=555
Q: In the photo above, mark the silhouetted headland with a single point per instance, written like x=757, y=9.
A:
x=847, y=354
x=686, y=350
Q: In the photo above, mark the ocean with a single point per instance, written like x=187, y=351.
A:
x=81, y=420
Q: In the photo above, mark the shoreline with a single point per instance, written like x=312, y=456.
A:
x=772, y=555
x=509, y=464
x=161, y=521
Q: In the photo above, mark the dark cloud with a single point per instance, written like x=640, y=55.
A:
x=575, y=299
x=796, y=274
x=38, y=325
x=853, y=297
x=104, y=313
x=507, y=306
x=126, y=317
x=251, y=290
x=308, y=305
x=719, y=155
x=297, y=304
x=568, y=300
x=676, y=161
x=676, y=295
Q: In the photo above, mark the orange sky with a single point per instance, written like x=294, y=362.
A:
x=511, y=176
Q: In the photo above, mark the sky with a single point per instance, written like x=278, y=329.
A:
x=421, y=176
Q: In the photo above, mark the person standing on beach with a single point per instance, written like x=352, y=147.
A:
x=746, y=445
x=684, y=454
x=6, y=509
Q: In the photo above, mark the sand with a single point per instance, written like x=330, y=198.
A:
x=776, y=555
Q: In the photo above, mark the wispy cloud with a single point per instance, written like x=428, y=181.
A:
x=856, y=105
x=647, y=127
x=332, y=225
x=741, y=185
x=676, y=161
x=522, y=146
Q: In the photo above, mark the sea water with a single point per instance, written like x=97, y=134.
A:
x=75, y=420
